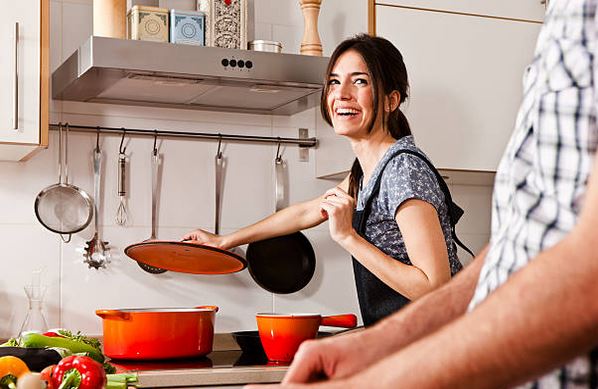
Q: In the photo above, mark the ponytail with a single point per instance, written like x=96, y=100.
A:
x=355, y=178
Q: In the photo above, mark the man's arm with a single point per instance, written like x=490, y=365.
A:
x=545, y=315
x=345, y=355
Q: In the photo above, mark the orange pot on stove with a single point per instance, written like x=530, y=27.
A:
x=282, y=334
x=158, y=333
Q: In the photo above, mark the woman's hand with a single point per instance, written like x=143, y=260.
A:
x=338, y=206
x=206, y=238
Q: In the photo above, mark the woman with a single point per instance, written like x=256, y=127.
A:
x=390, y=212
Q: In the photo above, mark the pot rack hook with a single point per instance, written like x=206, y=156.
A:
x=97, y=139
x=155, y=141
x=278, y=156
x=121, y=149
x=219, y=152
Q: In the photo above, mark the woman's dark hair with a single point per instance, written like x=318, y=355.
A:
x=387, y=73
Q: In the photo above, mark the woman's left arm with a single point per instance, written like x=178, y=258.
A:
x=423, y=238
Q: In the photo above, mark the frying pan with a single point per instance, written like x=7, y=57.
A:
x=157, y=256
x=283, y=264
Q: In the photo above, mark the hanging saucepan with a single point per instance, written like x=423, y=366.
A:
x=157, y=256
x=284, y=264
x=63, y=208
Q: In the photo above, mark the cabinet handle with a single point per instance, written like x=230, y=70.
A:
x=15, y=117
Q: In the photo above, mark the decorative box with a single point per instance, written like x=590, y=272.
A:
x=148, y=23
x=187, y=27
x=226, y=22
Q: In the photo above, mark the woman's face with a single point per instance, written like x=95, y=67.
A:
x=350, y=95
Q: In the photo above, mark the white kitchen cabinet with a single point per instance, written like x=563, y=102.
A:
x=24, y=126
x=465, y=74
x=512, y=9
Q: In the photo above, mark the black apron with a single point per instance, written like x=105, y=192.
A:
x=376, y=299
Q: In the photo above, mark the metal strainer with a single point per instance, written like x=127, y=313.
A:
x=63, y=208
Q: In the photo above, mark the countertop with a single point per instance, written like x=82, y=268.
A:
x=226, y=365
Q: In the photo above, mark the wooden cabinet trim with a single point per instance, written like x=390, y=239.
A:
x=372, y=17
x=44, y=73
x=372, y=24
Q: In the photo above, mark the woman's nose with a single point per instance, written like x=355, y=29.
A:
x=342, y=92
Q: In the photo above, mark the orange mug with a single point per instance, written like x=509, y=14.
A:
x=281, y=334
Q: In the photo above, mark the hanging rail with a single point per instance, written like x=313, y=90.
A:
x=302, y=142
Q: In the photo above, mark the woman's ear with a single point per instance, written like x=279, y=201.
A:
x=392, y=101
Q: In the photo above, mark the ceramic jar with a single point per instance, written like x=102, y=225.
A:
x=226, y=22
x=187, y=27
x=148, y=23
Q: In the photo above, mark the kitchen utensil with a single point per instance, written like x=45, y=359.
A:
x=121, y=211
x=96, y=250
x=264, y=45
x=63, y=208
x=281, y=334
x=310, y=43
x=284, y=264
x=186, y=256
x=158, y=333
x=132, y=250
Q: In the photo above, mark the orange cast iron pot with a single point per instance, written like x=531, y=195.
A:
x=281, y=334
x=158, y=333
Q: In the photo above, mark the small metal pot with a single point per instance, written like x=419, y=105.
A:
x=264, y=45
x=158, y=333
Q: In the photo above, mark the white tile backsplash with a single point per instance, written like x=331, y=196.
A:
x=186, y=196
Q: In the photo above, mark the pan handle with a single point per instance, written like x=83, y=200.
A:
x=112, y=314
x=212, y=307
x=348, y=320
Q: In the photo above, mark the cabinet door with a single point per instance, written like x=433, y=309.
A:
x=465, y=74
x=30, y=74
x=514, y=9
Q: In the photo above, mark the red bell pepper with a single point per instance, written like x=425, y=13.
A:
x=78, y=372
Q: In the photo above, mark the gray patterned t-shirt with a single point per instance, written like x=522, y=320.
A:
x=405, y=177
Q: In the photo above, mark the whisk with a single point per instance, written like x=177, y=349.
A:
x=121, y=211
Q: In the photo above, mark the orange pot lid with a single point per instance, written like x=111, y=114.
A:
x=186, y=257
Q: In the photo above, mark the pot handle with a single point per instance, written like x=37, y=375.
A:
x=348, y=320
x=212, y=307
x=112, y=314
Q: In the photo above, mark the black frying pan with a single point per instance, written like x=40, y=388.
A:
x=284, y=264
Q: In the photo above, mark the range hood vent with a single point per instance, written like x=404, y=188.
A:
x=131, y=72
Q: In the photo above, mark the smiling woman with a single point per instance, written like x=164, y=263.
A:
x=390, y=213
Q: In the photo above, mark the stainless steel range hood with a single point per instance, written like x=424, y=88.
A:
x=130, y=72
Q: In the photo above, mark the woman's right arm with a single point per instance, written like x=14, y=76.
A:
x=294, y=218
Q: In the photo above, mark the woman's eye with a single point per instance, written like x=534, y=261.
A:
x=333, y=82
x=361, y=81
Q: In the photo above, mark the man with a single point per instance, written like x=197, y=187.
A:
x=526, y=310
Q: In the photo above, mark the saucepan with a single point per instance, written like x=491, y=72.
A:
x=158, y=333
x=281, y=334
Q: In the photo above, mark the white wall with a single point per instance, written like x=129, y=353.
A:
x=186, y=196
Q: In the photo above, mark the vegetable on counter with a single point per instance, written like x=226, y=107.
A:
x=121, y=381
x=11, y=368
x=74, y=344
x=78, y=372
x=35, y=358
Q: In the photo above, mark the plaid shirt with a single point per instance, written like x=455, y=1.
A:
x=542, y=177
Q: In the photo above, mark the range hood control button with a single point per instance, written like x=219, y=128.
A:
x=224, y=62
x=232, y=63
x=248, y=64
x=241, y=63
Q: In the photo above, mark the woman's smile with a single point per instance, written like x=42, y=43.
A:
x=350, y=97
